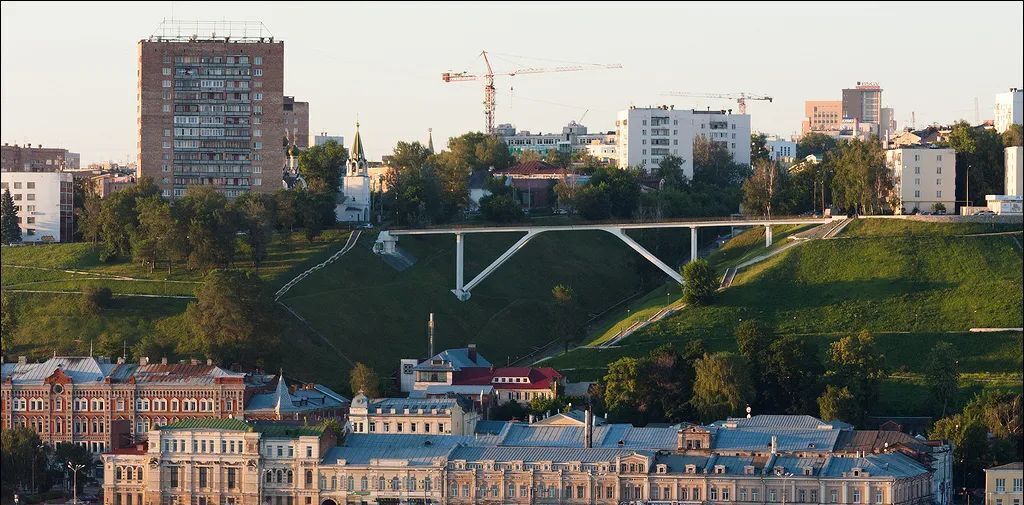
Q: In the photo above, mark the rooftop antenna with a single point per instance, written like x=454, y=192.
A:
x=430, y=336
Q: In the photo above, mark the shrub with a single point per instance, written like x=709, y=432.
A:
x=95, y=299
x=699, y=283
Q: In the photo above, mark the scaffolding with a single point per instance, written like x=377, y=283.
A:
x=177, y=30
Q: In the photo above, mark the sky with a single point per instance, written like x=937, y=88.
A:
x=68, y=71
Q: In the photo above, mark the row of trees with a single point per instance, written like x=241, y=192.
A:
x=202, y=229
x=770, y=373
x=29, y=466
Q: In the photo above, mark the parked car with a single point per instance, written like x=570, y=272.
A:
x=365, y=226
x=984, y=213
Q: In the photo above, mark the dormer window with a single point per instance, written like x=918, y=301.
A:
x=779, y=470
x=748, y=470
x=691, y=468
x=662, y=469
x=719, y=469
x=808, y=470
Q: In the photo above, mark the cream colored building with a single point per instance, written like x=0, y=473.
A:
x=1004, y=485
x=412, y=416
x=1014, y=180
x=922, y=177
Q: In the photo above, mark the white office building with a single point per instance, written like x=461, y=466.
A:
x=574, y=138
x=1014, y=171
x=782, y=151
x=1008, y=109
x=922, y=177
x=324, y=138
x=44, y=202
x=647, y=135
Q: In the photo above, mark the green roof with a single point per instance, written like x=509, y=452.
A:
x=357, y=147
x=209, y=424
x=282, y=430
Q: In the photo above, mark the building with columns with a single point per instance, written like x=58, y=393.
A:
x=765, y=459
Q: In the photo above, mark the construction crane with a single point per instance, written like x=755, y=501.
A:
x=488, y=79
x=741, y=98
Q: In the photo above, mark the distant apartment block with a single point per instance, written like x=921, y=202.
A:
x=324, y=138
x=647, y=135
x=107, y=184
x=44, y=202
x=922, y=177
x=1014, y=171
x=822, y=116
x=27, y=158
x=575, y=138
x=1009, y=109
x=783, y=151
x=296, y=122
x=210, y=108
x=863, y=102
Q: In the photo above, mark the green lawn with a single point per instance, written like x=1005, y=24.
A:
x=910, y=287
x=903, y=227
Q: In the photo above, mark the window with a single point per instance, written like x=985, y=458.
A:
x=856, y=496
x=173, y=474
x=878, y=496
x=1000, y=485
x=1018, y=485
x=938, y=170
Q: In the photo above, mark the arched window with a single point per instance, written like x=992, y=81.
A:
x=289, y=476
x=411, y=485
x=394, y=484
x=363, y=484
x=380, y=484
x=270, y=475
x=117, y=473
x=138, y=473
x=309, y=477
x=279, y=478
x=131, y=473
x=351, y=483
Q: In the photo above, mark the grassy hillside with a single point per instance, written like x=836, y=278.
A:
x=900, y=279
x=378, y=315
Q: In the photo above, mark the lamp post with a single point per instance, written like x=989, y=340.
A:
x=35, y=456
x=74, y=486
x=785, y=478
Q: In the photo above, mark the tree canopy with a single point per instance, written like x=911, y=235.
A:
x=322, y=166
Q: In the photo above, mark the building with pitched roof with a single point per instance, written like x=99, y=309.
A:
x=103, y=405
x=442, y=416
x=1004, y=484
x=354, y=202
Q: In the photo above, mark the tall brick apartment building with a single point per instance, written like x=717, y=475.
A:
x=210, y=108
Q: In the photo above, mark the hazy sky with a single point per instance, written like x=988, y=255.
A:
x=69, y=70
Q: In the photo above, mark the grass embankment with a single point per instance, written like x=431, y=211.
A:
x=53, y=322
x=378, y=315
x=909, y=282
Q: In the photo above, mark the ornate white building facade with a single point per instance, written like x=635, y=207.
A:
x=354, y=201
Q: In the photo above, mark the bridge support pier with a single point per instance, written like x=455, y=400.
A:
x=693, y=243
x=460, y=246
x=619, y=232
x=767, y=235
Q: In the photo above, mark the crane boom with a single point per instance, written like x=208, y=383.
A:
x=741, y=98
x=488, y=78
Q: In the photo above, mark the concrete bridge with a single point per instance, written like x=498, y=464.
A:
x=386, y=241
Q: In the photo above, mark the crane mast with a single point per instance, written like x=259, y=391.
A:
x=488, y=78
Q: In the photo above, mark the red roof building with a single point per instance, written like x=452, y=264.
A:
x=521, y=384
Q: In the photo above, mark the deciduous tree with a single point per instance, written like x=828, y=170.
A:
x=322, y=167
x=698, y=283
x=722, y=386
x=855, y=362
x=761, y=190
x=364, y=379
x=942, y=375
x=838, y=403
x=233, y=319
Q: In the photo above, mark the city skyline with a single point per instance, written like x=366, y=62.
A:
x=395, y=89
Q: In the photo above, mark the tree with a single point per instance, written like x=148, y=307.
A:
x=256, y=214
x=119, y=217
x=792, y=375
x=698, y=283
x=713, y=164
x=558, y=158
x=856, y=363
x=759, y=148
x=88, y=218
x=753, y=339
x=762, y=189
x=9, y=220
x=233, y=319
x=980, y=158
x=670, y=170
x=527, y=155
x=838, y=403
x=667, y=384
x=722, y=386
x=22, y=455
x=409, y=155
x=8, y=320
x=322, y=167
x=157, y=235
x=815, y=143
x=287, y=205
x=862, y=182
x=209, y=227
x=1013, y=136
x=620, y=384
x=500, y=209
x=95, y=299
x=364, y=379
x=942, y=375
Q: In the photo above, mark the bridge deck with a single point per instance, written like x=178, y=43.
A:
x=629, y=225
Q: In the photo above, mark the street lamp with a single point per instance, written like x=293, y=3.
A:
x=74, y=486
x=785, y=478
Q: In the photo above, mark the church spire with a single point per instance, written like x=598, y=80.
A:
x=430, y=140
x=357, y=148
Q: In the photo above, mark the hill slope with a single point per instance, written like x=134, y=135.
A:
x=912, y=283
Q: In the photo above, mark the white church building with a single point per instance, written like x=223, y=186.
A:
x=354, y=202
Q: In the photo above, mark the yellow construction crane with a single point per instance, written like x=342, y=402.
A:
x=741, y=98
x=488, y=79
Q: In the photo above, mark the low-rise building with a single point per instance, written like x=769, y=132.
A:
x=106, y=184
x=534, y=182
x=923, y=177
x=782, y=151
x=15, y=158
x=44, y=201
x=1004, y=485
x=1014, y=179
x=439, y=416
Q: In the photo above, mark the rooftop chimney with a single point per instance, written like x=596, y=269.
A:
x=471, y=350
x=22, y=360
x=144, y=360
x=195, y=361
x=209, y=362
x=588, y=429
x=163, y=361
x=775, y=444
x=430, y=336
